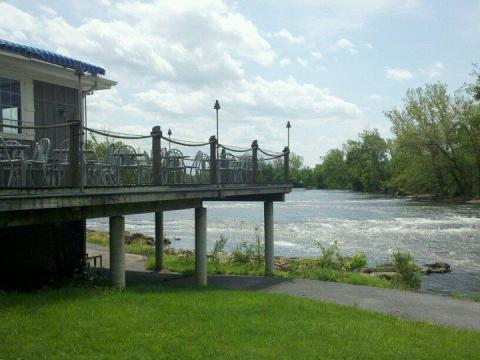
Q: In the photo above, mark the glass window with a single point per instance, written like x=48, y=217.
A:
x=10, y=105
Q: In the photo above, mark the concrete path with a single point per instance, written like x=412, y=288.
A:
x=404, y=304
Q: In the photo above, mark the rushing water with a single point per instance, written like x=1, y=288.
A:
x=375, y=225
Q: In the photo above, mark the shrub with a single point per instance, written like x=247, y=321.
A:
x=259, y=249
x=356, y=262
x=407, y=269
x=330, y=258
x=218, y=249
x=243, y=253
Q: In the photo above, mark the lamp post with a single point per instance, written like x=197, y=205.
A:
x=169, y=135
x=217, y=107
x=80, y=73
x=288, y=136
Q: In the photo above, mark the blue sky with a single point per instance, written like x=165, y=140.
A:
x=330, y=68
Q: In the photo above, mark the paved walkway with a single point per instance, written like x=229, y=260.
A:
x=404, y=304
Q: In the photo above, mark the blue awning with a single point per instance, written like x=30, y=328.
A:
x=49, y=57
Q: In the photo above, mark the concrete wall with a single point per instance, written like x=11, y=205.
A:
x=33, y=255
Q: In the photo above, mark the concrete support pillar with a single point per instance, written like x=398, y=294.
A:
x=201, y=246
x=117, y=251
x=158, y=240
x=268, y=221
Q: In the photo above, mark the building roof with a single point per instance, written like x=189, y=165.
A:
x=48, y=57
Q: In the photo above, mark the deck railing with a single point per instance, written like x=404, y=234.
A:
x=89, y=157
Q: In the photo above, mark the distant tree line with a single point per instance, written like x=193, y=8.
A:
x=435, y=149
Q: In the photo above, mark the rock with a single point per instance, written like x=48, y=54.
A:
x=167, y=241
x=139, y=237
x=387, y=275
x=177, y=238
x=436, y=268
x=386, y=268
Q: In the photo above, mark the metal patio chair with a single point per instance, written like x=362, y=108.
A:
x=37, y=168
x=244, y=168
x=175, y=167
x=146, y=167
x=194, y=170
x=17, y=157
x=127, y=166
x=228, y=168
x=8, y=166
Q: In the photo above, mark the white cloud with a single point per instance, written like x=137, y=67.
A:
x=346, y=45
x=317, y=54
x=368, y=45
x=285, y=62
x=435, y=69
x=303, y=62
x=173, y=59
x=287, y=35
x=376, y=97
x=398, y=74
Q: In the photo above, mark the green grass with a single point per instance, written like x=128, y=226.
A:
x=147, y=322
x=186, y=265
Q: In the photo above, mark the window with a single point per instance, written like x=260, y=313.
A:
x=10, y=105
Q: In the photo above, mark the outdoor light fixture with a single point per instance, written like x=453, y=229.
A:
x=217, y=107
x=288, y=136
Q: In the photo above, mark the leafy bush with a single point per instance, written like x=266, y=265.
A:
x=331, y=258
x=218, y=249
x=260, y=248
x=243, y=253
x=405, y=265
x=356, y=262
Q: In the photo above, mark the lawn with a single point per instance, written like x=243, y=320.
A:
x=149, y=322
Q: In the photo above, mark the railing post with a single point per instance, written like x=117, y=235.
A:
x=74, y=161
x=286, y=164
x=254, y=161
x=213, y=159
x=157, y=155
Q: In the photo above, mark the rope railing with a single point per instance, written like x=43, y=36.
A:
x=270, y=154
x=184, y=142
x=117, y=135
x=148, y=163
x=234, y=150
x=37, y=127
x=274, y=157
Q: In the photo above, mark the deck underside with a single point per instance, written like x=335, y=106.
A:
x=36, y=206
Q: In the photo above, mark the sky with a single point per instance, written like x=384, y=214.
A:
x=331, y=68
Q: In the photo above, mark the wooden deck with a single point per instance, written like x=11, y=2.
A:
x=36, y=206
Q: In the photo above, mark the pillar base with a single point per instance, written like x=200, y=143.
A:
x=117, y=252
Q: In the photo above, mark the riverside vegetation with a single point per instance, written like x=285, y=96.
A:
x=435, y=150
x=247, y=259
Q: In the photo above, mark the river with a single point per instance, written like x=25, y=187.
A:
x=375, y=225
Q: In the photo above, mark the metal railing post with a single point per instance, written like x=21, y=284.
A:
x=74, y=162
x=157, y=155
x=213, y=160
x=254, y=161
x=286, y=164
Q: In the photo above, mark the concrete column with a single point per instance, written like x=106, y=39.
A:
x=158, y=240
x=201, y=246
x=268, y=221
x=117, y=251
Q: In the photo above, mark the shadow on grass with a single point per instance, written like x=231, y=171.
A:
x=137, y=282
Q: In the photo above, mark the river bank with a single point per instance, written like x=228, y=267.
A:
x=375, y=225
x=248, y=259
